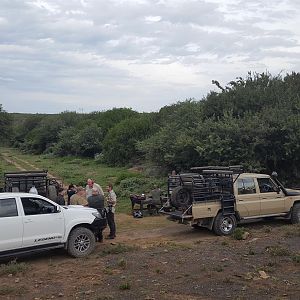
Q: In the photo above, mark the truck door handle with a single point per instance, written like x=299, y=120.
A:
x=28, y=221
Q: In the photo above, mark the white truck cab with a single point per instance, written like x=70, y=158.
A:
x=30, y=223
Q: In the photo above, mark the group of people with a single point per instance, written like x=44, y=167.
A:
x=93, y=196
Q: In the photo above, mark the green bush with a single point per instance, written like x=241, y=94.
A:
x=238, y=233
x=13, y=268
x=278, y=251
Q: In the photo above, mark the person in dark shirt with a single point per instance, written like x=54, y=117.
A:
x=97, y=201
x=70, y=192
x=60, y=197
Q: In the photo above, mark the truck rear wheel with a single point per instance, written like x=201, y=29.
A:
x=81, y=242
x=295, y=216
x=224, y=225
x=180, y=197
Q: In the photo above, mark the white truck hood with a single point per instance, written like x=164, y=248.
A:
x=78, y=209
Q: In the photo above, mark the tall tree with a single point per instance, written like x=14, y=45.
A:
x=5, y=126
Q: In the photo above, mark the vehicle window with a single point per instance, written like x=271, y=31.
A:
x=8, y=208
x=246, y=186
x=36, y=206
x=266, y=185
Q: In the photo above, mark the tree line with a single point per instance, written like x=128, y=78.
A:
x=253, y=121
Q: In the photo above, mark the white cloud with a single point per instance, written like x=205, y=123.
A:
x=42, y=4
x=141, y=54
x=152, y=19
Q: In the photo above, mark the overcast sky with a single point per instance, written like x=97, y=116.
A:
x=88, y=55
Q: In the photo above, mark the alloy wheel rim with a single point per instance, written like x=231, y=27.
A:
x=82, y=243
x=227, y=224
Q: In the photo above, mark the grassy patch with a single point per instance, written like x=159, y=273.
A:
x=278, y=251
x=76, y=170
x=13, y=268
x=269, y=267
x=291, y=230
x=122, y=263
x=238, y=233
x=5, y=167
x=267, y=229
x=117, y=249
x=296, y=258
x=12, y=290
x=172, y=245
x=224, y=243
x=125, y=286
x=108, y=271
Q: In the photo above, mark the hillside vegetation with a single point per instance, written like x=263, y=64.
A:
x=253, y=121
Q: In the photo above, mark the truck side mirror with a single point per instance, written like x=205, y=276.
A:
x=56, y=209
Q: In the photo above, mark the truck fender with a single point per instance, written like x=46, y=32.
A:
x=84, y=222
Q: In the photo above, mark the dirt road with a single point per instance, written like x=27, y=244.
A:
x=23, y=165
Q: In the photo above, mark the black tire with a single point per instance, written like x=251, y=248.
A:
x=180, y=197
x=81, y=242
x=52, y=192
x=295, y=215
x=224, y=225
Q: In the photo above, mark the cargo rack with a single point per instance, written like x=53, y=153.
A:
x=207, y=183
x=22, y=181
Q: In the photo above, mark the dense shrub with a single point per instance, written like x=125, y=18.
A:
x=254, y=121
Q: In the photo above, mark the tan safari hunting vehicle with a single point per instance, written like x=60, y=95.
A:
x=220, y=197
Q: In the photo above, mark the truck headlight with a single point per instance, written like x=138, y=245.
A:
x=97, y=215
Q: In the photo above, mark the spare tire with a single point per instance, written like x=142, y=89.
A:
x=181, y=197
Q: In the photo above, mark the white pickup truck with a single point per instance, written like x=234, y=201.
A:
x=31, y=223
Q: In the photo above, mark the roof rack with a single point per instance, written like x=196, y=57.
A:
x=19, y=174
x=236, y=169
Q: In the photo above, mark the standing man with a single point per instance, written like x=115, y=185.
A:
x=97, y=201
x=60, y=197
x=111, y=203
x=90, y=185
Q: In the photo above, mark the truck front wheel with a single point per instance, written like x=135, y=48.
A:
x=224, y=225
x=81, y=242
x=295, y=216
